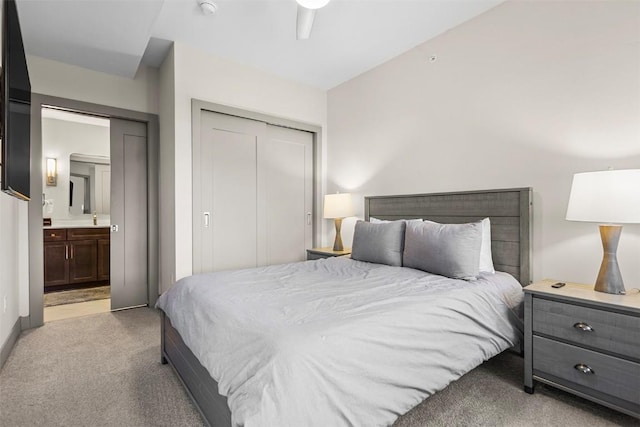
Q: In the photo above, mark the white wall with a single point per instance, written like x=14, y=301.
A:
x=524, y=95
x=204, y=77
x=10, y=275
x=68, y=81
x=166, y=217
x=60, y=139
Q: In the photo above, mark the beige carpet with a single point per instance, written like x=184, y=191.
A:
x=104, y=370
x=76, y=295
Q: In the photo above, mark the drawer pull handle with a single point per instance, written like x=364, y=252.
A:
x=583, y=327
x=585, y=369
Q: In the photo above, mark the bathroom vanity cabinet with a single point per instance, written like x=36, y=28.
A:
x=74, y=256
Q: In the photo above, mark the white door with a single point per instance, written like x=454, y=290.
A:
x=128, y=272
x=252, y=193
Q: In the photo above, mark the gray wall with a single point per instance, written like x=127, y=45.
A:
x=524, y=95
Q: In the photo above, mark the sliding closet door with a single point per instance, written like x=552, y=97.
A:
x=128, y=272
x=286, y=162
x=252, y=193
x=225, y=193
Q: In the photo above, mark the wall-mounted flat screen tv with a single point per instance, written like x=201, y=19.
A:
x=15, y=104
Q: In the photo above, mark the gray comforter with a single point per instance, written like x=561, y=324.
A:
x=338, y=342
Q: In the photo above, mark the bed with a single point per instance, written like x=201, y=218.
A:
x=376, y=325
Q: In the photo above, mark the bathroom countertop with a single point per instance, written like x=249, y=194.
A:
x=75, y=225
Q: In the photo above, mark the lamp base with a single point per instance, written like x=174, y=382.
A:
x=609, y=278
x=337, y=243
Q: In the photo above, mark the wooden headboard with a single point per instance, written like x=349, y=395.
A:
x=509, y=210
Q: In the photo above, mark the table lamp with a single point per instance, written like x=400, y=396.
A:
x=610, y=198
x=337, y=207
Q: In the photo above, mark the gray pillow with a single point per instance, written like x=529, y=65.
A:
x=451, y=250
x=381, y=243
x=486, y=259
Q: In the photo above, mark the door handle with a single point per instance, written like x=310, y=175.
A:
x=207, y=216
x=72, y=252
x=66, y=251
x=308, y=218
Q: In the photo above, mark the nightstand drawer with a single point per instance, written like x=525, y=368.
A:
x=598, y=329
x=604, y=374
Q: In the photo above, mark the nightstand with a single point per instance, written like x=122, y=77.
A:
x=584, y=342
x=319, y=253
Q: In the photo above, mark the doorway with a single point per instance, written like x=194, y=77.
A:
x=148, y=243
x=76, y=213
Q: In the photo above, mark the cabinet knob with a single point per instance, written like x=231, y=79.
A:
x=583, y=327
x=585, y=369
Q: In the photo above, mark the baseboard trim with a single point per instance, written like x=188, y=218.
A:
x=8, y=344
x=25, y=322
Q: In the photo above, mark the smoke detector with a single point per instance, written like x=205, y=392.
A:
x=207, y=7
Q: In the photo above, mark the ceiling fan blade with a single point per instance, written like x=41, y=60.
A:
x=304, y=23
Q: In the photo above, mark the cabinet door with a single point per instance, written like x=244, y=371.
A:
x=83, y=256
x=56, y=265
x=103, y=259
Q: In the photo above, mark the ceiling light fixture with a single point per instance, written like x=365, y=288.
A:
x=306, y=15
x=207, y=7
x=313, y=4
x=304, y=22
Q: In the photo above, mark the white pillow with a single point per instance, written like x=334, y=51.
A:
x=486, y=259
x=380, y=221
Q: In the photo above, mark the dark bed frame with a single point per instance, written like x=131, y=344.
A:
x=510, y=213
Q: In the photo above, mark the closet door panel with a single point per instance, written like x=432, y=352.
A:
x=227, y=211
x=287, y=159
x=233, y=186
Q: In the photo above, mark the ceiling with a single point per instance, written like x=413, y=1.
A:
x=348, y=38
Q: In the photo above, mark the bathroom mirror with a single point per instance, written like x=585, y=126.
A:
x=89, y=184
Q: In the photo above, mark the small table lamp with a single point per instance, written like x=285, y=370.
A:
x=338, y=206
x=613, y=198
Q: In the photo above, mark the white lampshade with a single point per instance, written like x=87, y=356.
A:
x=313, y=4
x=338, y=205
x=605, y=197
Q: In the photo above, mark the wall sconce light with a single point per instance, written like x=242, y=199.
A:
x=52, y=172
